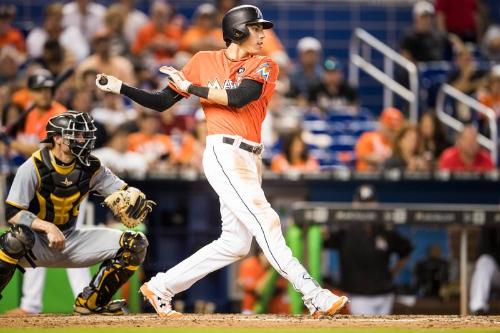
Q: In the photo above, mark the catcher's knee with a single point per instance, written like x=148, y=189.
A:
x=133, y=247
x=15, y=243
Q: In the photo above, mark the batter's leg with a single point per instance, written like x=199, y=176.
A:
x=233, y=244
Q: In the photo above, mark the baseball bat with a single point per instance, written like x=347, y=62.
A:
x=57, y=83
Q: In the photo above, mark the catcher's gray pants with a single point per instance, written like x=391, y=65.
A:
x=83, y=248
x=486, y=275
x=34, y=278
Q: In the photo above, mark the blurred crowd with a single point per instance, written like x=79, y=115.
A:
x=125, y=42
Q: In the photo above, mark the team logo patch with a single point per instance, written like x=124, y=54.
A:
x=241, y=70
x=264, y=70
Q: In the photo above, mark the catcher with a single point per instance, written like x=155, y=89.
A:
x=42, y=208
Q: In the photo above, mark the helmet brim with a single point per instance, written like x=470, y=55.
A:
x=265, y=23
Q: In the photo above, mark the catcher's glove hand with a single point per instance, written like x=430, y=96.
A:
x=130, y=206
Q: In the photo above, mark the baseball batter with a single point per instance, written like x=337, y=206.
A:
x=43, y=206
x=235, y=86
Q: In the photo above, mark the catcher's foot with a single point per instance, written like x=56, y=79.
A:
x=113, y=308
x=162, y=306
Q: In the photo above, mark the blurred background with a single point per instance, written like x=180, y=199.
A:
x=381, y=143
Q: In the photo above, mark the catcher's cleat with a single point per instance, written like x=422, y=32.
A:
x=162, y=306
x=113, y=308
x=334, y=308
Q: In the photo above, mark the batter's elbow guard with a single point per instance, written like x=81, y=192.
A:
x=135, y=244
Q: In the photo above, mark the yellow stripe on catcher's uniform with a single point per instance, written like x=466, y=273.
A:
x=8, y=259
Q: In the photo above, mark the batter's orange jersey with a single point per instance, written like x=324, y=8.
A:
x=214, y=69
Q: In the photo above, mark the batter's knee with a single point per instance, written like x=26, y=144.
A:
x=241, y=249
x=16, y=242
x=133, y=247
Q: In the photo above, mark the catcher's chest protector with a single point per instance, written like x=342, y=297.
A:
x=60, y=189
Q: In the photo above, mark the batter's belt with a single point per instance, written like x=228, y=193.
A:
x=257, y=149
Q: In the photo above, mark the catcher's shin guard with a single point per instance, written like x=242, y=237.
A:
x=14, y=244
x=112, y=274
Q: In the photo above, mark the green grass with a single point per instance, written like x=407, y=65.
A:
x=246, y=330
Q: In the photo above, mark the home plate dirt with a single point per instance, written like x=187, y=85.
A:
x=255, y=321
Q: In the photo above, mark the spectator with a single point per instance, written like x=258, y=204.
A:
x=154, y=146
x=467, y=77
x=114, y=20
x=431, y=273
x=254, y=275
x=490, y=94
x=103, y=61
x=365, y=251
x=112, y=112
x=422, y=42
x=85, y=15
x=159, y=38
x=432, y=137
x=491, y=43
x=458, y=17
x=294, y=156
x=332, y=92
x=116, y=156
x=40, y=85
x=307, y=73
x=134, y=20
x=204, y=34
x=405, y=152
x=466, y=155
x=55, y=58
x=70, y=38
x=487, y=271
x=10, y=36
x=373, y=148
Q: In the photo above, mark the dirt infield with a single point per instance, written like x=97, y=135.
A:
x=256, y=321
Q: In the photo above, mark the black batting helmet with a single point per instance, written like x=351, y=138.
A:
x=78, y=129
x=41, y=78
x=235, y=21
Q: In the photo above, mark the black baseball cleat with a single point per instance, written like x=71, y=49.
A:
x=113, y=308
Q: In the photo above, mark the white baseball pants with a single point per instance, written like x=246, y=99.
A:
x=236, y=176
x=486, y=275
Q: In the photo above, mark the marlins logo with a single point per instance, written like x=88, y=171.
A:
x=264, y=70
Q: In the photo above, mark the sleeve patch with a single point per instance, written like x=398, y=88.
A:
x=264, y=70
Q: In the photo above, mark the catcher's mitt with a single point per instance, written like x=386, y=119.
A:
x=130, y=206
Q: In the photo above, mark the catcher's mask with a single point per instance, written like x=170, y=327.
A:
x=235, y=23
x=78, y=129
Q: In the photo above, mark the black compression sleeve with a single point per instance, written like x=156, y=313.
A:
x=157, y=100
x=248, y=91
x=198, y=91
x=11, y=211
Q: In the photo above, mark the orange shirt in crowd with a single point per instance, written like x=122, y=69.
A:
x=152, y=147
x=182, y=152
x=371, y=143
x=279, y=163
x=195, y=34
x=34, y=128
x=147, y=34
x=491, y=101
x=22, y=97
x=214, y=69
x=250, y=274
x=13, y=37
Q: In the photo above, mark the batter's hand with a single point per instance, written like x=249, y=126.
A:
x=56, y=237
x=113, y=85
x=176, y=77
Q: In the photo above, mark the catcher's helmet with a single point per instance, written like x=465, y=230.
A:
x=235, y=21
x=41, y=78
x=78, y=129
